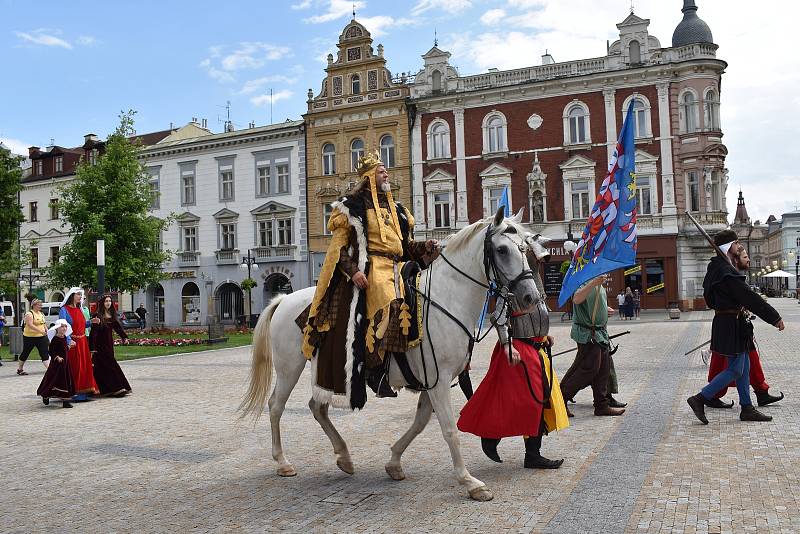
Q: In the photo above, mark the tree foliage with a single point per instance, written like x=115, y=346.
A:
x=110, y=200
x=10, y=219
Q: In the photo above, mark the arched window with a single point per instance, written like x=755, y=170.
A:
x=438, y=140
x=436, y=80
x=689, y=110
x=356, y=152
x=635, y=51
x=190, y=303
x=328, y=159
x=494, y=133
x=159, y=309
x=576, y=124
x=711, y=117
x=355, y=81
x=641, y=115
x=387, y=150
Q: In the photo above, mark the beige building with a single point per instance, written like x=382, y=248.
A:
x=359, y=108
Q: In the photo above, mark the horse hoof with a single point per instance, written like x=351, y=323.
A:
x=481, y=494
x=395, y=472
x=287, y=471
x=346, y=466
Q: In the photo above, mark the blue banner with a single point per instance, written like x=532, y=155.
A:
x=609, y=240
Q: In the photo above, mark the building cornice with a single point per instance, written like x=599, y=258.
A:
x=224, y=140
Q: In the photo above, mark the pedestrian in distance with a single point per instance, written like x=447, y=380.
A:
x=621, y=304
x=628, y=304
x=2, y=325
x=34, y=334
x=637, y=303
x=57, y=380
x=141, y=311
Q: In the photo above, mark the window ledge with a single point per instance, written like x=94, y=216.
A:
x=587, y=145
x=439, y=161
x=495, y=155
x=643, y=140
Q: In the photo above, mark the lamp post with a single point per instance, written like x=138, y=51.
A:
x=248, y=264
x=101, y=267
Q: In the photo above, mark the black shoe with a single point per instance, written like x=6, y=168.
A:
x=489, y=447
x=751, y=414
x=465, y=384
x=697, y=403
x=717, y=403
x=378, y=383
x=540, y=462
x=45, y=401
x=614, y=403
x=764, y=398
x=67, y=405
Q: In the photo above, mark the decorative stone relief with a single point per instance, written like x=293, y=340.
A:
x=337, y=86
x=534, y=121
x=354, y=54
x=372, y=80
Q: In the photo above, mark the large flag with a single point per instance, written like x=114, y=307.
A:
x=609, y=240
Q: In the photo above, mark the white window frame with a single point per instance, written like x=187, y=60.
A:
x=711, y=109
x=688, y=112
x=38, y=168
x=495, y=133
x=356, y=153
x=586, y=116
x=227, y=184
x=263, y=179
x=644, y=194
x=284, y=180
x=227, y=230
x=439, y=181
x=154, y=182
x=33, y=211
x=580, y=193
x=281, y=225
x=53, y=205
x=438, y=141
x=639, y=115
x=265, y=228
x=578, y=169
x=188, y=173
x=327, y=212
x=387, y=150
x=328, y=159
x=195, y=228
x=495, y=176
x=441, y=210
x=59, y=164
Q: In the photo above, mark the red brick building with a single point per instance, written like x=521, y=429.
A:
x=546, y=133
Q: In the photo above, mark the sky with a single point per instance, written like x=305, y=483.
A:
x=70, y=67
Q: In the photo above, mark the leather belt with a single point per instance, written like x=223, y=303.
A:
x=727, y=312
x=77, y=336
x=392, y=257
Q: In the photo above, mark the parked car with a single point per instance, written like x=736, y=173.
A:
x=7, y=307
x=129, y=320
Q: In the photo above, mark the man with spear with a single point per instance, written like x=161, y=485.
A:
x=727, y=293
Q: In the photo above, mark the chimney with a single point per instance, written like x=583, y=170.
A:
x=194, y=121
x=205, y=123
x=33, y=151
x=90, y=138
x=547, y=59
x=228, y=126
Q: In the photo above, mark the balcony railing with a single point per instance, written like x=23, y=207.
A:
x=189, y=258
x=434, y=233
x=719, y=218
x=277, y=253
x=227, y=257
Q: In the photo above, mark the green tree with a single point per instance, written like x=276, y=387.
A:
x=10, y=219
x=110, y=200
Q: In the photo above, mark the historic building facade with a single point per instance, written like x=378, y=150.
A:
x=546, y=132
x=359, y=108
x=233, y=195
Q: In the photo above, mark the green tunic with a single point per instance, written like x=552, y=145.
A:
x=582, y=318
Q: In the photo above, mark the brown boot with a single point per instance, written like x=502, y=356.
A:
x=608, y=410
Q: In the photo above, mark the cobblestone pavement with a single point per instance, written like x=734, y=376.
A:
x=171, y=457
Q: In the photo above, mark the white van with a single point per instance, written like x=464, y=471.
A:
x=7, y=307
x=50, y=311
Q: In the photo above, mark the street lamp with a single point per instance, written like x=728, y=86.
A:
x=101, y=267
x=248, y=264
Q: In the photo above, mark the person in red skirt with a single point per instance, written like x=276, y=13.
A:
x=57, y=380
x=110, y=379
x=520, y=394
x=757, y=381
x=80, y=360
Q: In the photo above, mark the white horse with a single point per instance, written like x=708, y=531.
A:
x=457, y=283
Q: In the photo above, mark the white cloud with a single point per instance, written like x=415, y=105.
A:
x=215, y=73
x=525, y=4
x=40, y=37
x=379, y=24
x=251, y=55
x=336, y=9
x=86, y=40
x=492, y=17
x=16, y=146
x=251, y=86
x=277, y=96
x=450, y=6
x=305, y=4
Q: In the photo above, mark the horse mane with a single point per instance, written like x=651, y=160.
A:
x=459, y=240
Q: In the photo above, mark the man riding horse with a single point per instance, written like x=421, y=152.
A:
x=358, y=313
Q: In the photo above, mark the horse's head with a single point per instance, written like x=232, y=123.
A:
x=505, y=258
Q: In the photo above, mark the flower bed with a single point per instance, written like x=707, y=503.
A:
x=160, y=342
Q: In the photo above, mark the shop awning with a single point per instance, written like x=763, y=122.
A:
x=778, y=274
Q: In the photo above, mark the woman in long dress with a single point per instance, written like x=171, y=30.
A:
x=107, y=373
x=80, y=360
x=57, y=380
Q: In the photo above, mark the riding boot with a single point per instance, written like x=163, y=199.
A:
x=465, y=384
x=534, y=458
x=764, y=398
x=614, y=403
x=378, y=382
x=489, y=447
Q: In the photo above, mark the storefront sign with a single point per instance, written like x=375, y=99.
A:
x=655, y=288
x=552, y=278
x=632, y=270
x=178, y=274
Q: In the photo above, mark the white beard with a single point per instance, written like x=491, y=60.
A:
x=386, y=187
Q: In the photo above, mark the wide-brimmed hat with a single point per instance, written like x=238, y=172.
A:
x=51, y=332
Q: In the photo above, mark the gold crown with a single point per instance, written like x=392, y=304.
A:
x=368, y=162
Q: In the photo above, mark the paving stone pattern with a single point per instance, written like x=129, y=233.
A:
x=172, y=457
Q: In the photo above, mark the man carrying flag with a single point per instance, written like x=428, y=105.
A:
x=608, y=243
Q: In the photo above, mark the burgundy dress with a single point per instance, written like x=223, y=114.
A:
x=57, y=381
x=107, y=372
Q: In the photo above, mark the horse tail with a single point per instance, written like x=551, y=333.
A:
x=261, y=366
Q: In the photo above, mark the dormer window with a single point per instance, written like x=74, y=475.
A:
x=38, y=168
x=355, y=82
x=59, y=163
